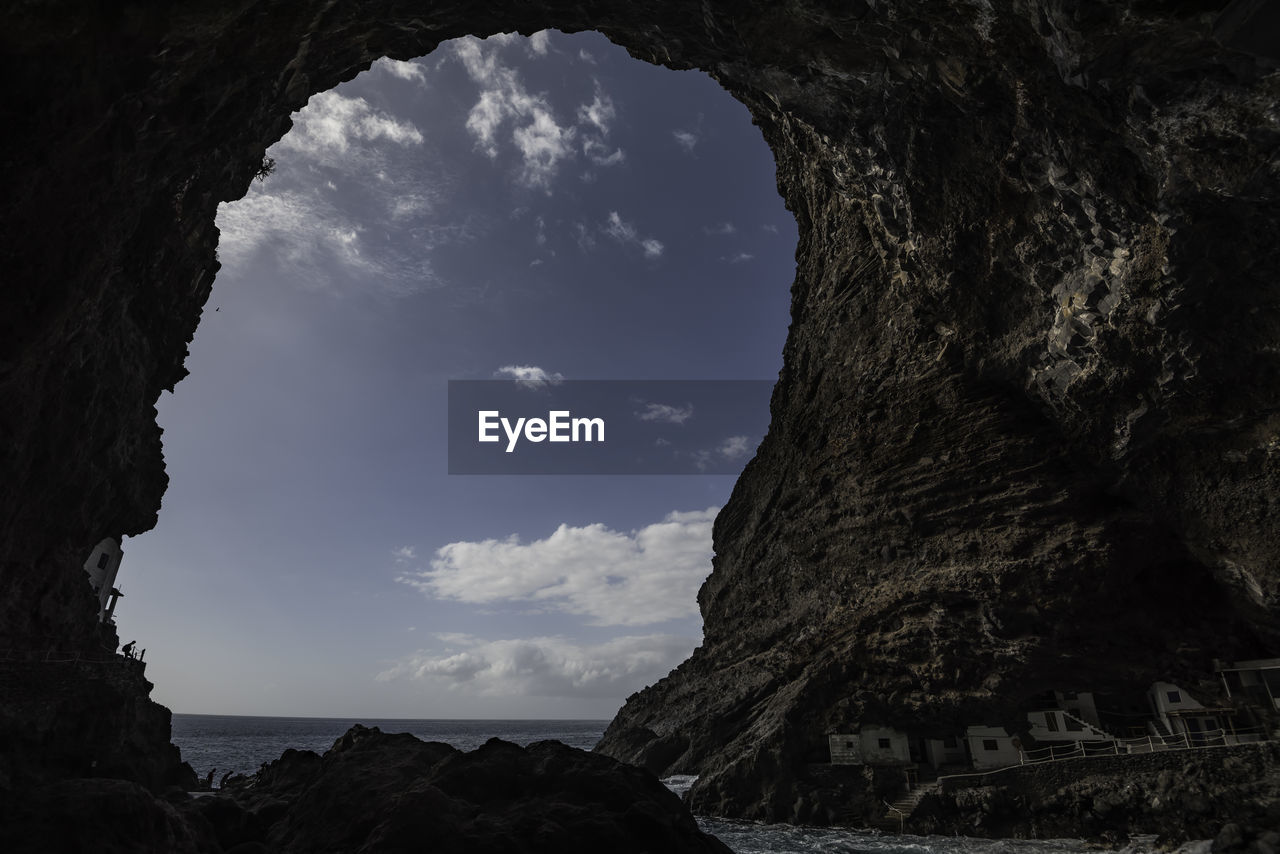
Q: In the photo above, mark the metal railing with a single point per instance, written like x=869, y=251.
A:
x=1127, y=747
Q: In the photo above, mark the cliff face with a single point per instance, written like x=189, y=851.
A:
x=1027, y=431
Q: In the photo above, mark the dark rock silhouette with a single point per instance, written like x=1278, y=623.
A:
x=1025, y=436
x=381, y=792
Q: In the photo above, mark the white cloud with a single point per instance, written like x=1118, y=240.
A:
x=331, y=125
x=411, y=71
x=404, y=554
x=539, y=42
x=585, y=239
x=546, y=666
x=586, y=56
x=625, y=233
x=541, y=140
x=599, y=154
x=305, y=231
x=529, y=376
x=304, y=218
x=543, y=144
x=666, y=414
x=619, y=229
x=612, y=578
x=319, y=245
x=724, y=228
x=686, y=139
x=732, y=448
x=737, y=259
x=770, y=227
x=599, y=113
x=735, y=447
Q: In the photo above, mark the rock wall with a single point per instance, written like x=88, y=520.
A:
x=1026, y=432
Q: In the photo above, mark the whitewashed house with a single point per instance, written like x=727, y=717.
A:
x=993, y=747
x=1257, y=680
x=102, y=566
x=1178, y=714
x=871, y=745
x=943, y=752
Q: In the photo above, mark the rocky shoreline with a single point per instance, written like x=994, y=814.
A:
x=372, y=792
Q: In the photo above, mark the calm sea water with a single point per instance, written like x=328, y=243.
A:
x=243, y=744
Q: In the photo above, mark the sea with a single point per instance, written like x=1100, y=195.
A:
x=243, y=744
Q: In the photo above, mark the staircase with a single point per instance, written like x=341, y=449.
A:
x=896, y=814
x=1092, y=729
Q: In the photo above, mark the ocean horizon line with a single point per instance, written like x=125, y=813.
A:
x=360, y=718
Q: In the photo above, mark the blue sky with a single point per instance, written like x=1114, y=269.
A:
x=506, y=207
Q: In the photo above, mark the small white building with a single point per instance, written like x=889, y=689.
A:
x=871, y=745
x=941, y=752
x=1257, y=680
x=993, y=747
x=1178, y=713
x=102, y=566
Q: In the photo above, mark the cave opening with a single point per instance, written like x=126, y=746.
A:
x=520, y=208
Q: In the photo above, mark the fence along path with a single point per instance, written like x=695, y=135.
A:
x=1127, y=747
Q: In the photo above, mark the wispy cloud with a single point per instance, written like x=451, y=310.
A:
x=529, y=376
x=327, y=214
x=625, y=233
x=545, y=666
x=686, y=139
x=541, y=140
x=724, y=228
x=410, y=71
x=732, y=448
x=332, y=125
x=600, y=113
x=540, y=42
x=738, y=258
x=612, y=578
x=666, y=414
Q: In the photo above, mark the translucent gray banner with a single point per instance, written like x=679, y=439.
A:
x=605, y=426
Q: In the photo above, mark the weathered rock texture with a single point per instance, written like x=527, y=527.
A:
x=1027, y=431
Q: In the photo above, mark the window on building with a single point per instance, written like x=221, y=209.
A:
x=849, y=744
x=949, y=742
x=1051, y=721
x=102, y=560
x=990, y=744
x=884, y=744
x=1174, y=696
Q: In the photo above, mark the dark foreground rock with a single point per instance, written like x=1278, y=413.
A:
x=376, y=792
